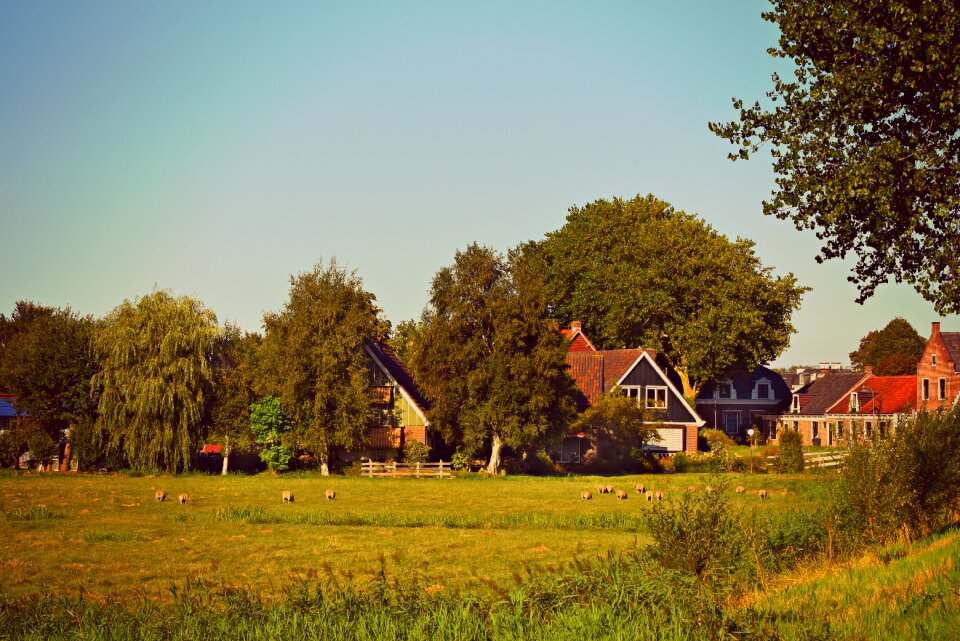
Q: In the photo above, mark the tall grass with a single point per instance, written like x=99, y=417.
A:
x=41, y=513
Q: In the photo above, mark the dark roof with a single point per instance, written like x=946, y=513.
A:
x=744, y=385
x=391, y=362
x=952, y=341
x=820, y=395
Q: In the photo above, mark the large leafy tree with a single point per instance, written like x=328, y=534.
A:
x=155, y=379
x=638, y=272
x=314, y=361
x=47, y=363
x=488, y=356
x=864, y=137
x=894, y=350
x=234, y=384
x=619, y=427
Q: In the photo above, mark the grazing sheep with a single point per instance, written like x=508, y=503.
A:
x=641, y=488
x=161, y=495
x=609, y=489
x=741, y=489
x=661, y=496
x=622, y=495
x=708, y=489
x=762, y=494
x=585, y=495
x=692, y=488
x=287, y=496
x=183, y=499
x=331, y=495
x=649, y=495
x=601, y=489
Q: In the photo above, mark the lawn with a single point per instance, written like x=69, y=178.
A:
x=106, y=537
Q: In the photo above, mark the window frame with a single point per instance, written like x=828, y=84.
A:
x=656, y=389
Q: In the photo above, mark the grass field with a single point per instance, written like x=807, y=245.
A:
x=105, y=536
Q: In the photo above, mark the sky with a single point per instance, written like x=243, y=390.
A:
x=215, y=149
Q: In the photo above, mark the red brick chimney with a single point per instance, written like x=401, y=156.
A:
x=935, y=328
x=575, y=326
x=868, y=370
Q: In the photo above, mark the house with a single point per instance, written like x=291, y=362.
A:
x=810, y=404
x=938, y=372
x=738, y=404
x=801, y=376
x=873, y=406
x=402, y=407
x=7, y=411
x=636, y=373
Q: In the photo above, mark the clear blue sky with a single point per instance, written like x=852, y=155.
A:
x=216, y=148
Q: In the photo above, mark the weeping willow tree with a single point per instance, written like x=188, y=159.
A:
x=155, y=378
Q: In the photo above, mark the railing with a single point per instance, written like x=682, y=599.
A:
x=816, y=460
x=390, y=469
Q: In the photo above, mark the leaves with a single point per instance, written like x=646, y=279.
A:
x=894, y=350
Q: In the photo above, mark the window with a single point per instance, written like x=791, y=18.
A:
x=796, y=426
x=868, y=429
x=724, y=390
x=883, y=428
x=815, y=430
x=925, y=394
x=795, y=406
x=656, y=397
x=773, y=431
x=763, y=390
x=839, y=429
x=942, y=388
x=632, y=391
x=854, y=403
x=731, y=422
x=933, y=360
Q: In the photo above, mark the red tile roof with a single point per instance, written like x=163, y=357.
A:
x=212, y=448
x=952, y=341
x=598, y=372
x=881, y=395
x=819, y=396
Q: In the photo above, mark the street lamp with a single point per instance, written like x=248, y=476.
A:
x=750, y=433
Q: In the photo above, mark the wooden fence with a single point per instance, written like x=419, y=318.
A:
x=816, y=460
x=390, y=469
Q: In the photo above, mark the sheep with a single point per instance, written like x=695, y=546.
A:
x=649, y=495
x=585, y=495
x=622, y=495
x=692, y=488
x=287, y=496
x=641, y=488
x=183, y=499
x=762, y=494
x=741, y=489
x=708, y=489
x=601, y=489
x=661, y=496
x=331, y=495
x=609, y=489
x=161, y=495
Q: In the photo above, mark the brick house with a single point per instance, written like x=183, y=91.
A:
x=872, y=407
x=636, y=372
x=938, y=372
x=810, y=404
x=738, y=404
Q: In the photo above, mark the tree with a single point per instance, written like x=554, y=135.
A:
x=489, y=358
x=234, y=380
x=892, y=351
x=271, y=427
x=314, y=360
x=638, y=272
x=864, y=137
x=156, y=379
x=47, y=363
x=618, y=422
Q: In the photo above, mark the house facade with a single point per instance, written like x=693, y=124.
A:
x=738, y=404
x=809, y=406
x=938, y=372
x=873, y=407
x=637, y=374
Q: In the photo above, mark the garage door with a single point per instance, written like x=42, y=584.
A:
x=671, y=440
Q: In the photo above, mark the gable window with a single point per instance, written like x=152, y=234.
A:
x=724, y=390
x=763, y=390
x=795, y=406
x=656, y=397
x=925, y=393
x=631, y=391
x=942, y=388
x=933, y=360
x=854, y=403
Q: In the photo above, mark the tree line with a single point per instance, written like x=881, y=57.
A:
x=145, y=385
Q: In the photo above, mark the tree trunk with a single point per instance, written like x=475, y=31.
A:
x=689, y=391
x=495, y=446
x=324, y=464
x=226, y=456
x=65, y=461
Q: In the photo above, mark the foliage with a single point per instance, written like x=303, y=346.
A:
x=617, y=425
x=270, y=425
x=790, y=459
x=639, y=272
x=155, y=380
x=414, y=452
x=894, y=350
x=403, y=338
x=489, y=358
x=460, y=460
x=313, y=358
x=905, y=484
x=46, y=362
x=717, y=440
x=864, y=137
x=233, y=389
x=706, y=462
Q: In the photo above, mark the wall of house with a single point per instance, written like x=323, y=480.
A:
x=944, y=368
x=645, y=375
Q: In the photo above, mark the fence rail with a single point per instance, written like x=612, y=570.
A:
x=813, y=460
x=390, y=469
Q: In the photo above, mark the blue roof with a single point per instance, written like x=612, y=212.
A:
x=6, y=408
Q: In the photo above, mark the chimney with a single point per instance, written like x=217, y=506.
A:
x=868, y=370
x=935, y=328
x=575, y=326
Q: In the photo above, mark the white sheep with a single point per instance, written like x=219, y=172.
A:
x=641, y=488
x=622, y=495
x=661, y=496
x=161, y=495
x=585, y=495
x=649, y=495
x=331, y=495
x=741, y=489
x=183, y=499
x=287, y=496
x=762, y=494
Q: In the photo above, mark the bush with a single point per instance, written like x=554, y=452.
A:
x=460, y=460
x=716, y=440
x=790, y=460
x=414, y=452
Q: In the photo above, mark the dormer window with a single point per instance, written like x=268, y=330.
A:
x=795, y=405
x=725, y=390
x=854, y=403
x=762, y=390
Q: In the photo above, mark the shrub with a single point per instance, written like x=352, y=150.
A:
x=460, y=460
x=414, y=452
x=716, y=440
x=791, y=452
